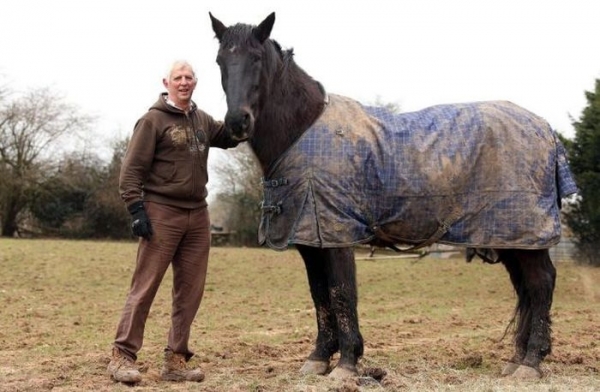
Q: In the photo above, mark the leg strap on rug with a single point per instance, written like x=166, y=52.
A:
x=443, y=227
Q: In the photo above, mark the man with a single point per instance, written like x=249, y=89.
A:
x=163, y=183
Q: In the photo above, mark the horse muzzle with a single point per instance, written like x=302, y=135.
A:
x=240, y=124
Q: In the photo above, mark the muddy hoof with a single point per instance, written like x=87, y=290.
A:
x=315, y=367
x=509, y=368
x=526, y=372
x=340, y=373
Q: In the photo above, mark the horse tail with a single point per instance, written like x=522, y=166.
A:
x=565, y=181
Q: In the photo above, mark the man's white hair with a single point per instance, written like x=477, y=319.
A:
x=179, y=64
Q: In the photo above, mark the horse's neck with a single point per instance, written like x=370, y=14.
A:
x=285, y=116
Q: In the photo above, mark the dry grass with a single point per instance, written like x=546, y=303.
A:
x=431, y=325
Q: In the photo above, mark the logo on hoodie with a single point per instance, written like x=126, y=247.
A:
x=200, y=140
x=178, y=136
x=183, y=137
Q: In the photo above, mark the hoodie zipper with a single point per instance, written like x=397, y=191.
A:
x=194, y=150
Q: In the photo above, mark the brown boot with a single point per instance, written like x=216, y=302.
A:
x=123, y=369
x=175, y=369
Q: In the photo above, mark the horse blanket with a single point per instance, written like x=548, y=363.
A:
x=480, y=175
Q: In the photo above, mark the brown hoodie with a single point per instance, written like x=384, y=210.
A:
x=167, y=156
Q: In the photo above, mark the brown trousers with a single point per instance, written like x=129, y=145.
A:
x=181, y=238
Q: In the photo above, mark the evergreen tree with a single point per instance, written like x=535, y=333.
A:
x=583, y=216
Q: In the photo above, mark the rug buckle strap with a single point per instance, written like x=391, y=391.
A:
x=271, y=209
x=274, y=183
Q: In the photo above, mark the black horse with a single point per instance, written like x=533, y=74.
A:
x=271, y=103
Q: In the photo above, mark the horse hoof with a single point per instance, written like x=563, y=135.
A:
x=510, y=368
x=526, y=372
x=341, y=373
x=315, y=367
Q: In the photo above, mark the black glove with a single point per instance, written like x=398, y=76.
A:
x=140, y=224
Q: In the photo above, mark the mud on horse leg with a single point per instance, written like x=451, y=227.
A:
x=332, y=279
x=533, y=276
x=327, y=339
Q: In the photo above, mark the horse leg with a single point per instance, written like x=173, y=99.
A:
x=327, y=338
x=533, y=277
x=521, y=338
x=343, y=294
x=332, y=279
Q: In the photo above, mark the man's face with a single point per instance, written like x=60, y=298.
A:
x=181, y=85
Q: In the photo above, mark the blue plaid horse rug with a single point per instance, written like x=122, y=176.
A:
x=479, y=175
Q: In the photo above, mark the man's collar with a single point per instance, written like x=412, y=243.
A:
x=171, y=103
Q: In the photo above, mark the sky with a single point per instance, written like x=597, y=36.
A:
x=108, y=57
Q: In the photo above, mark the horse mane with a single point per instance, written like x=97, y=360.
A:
x=291, y=75
x=295, y=101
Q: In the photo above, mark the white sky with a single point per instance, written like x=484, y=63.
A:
x=108, y=57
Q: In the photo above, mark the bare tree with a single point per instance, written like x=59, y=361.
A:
x=393, y=107
x=33, y=128
x=239, y=193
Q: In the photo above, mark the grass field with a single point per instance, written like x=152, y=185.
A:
x=431, y=325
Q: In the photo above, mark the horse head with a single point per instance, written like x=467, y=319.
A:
x=241, y=58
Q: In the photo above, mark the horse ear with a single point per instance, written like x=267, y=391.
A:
x=217, y=26
x=263, y=30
